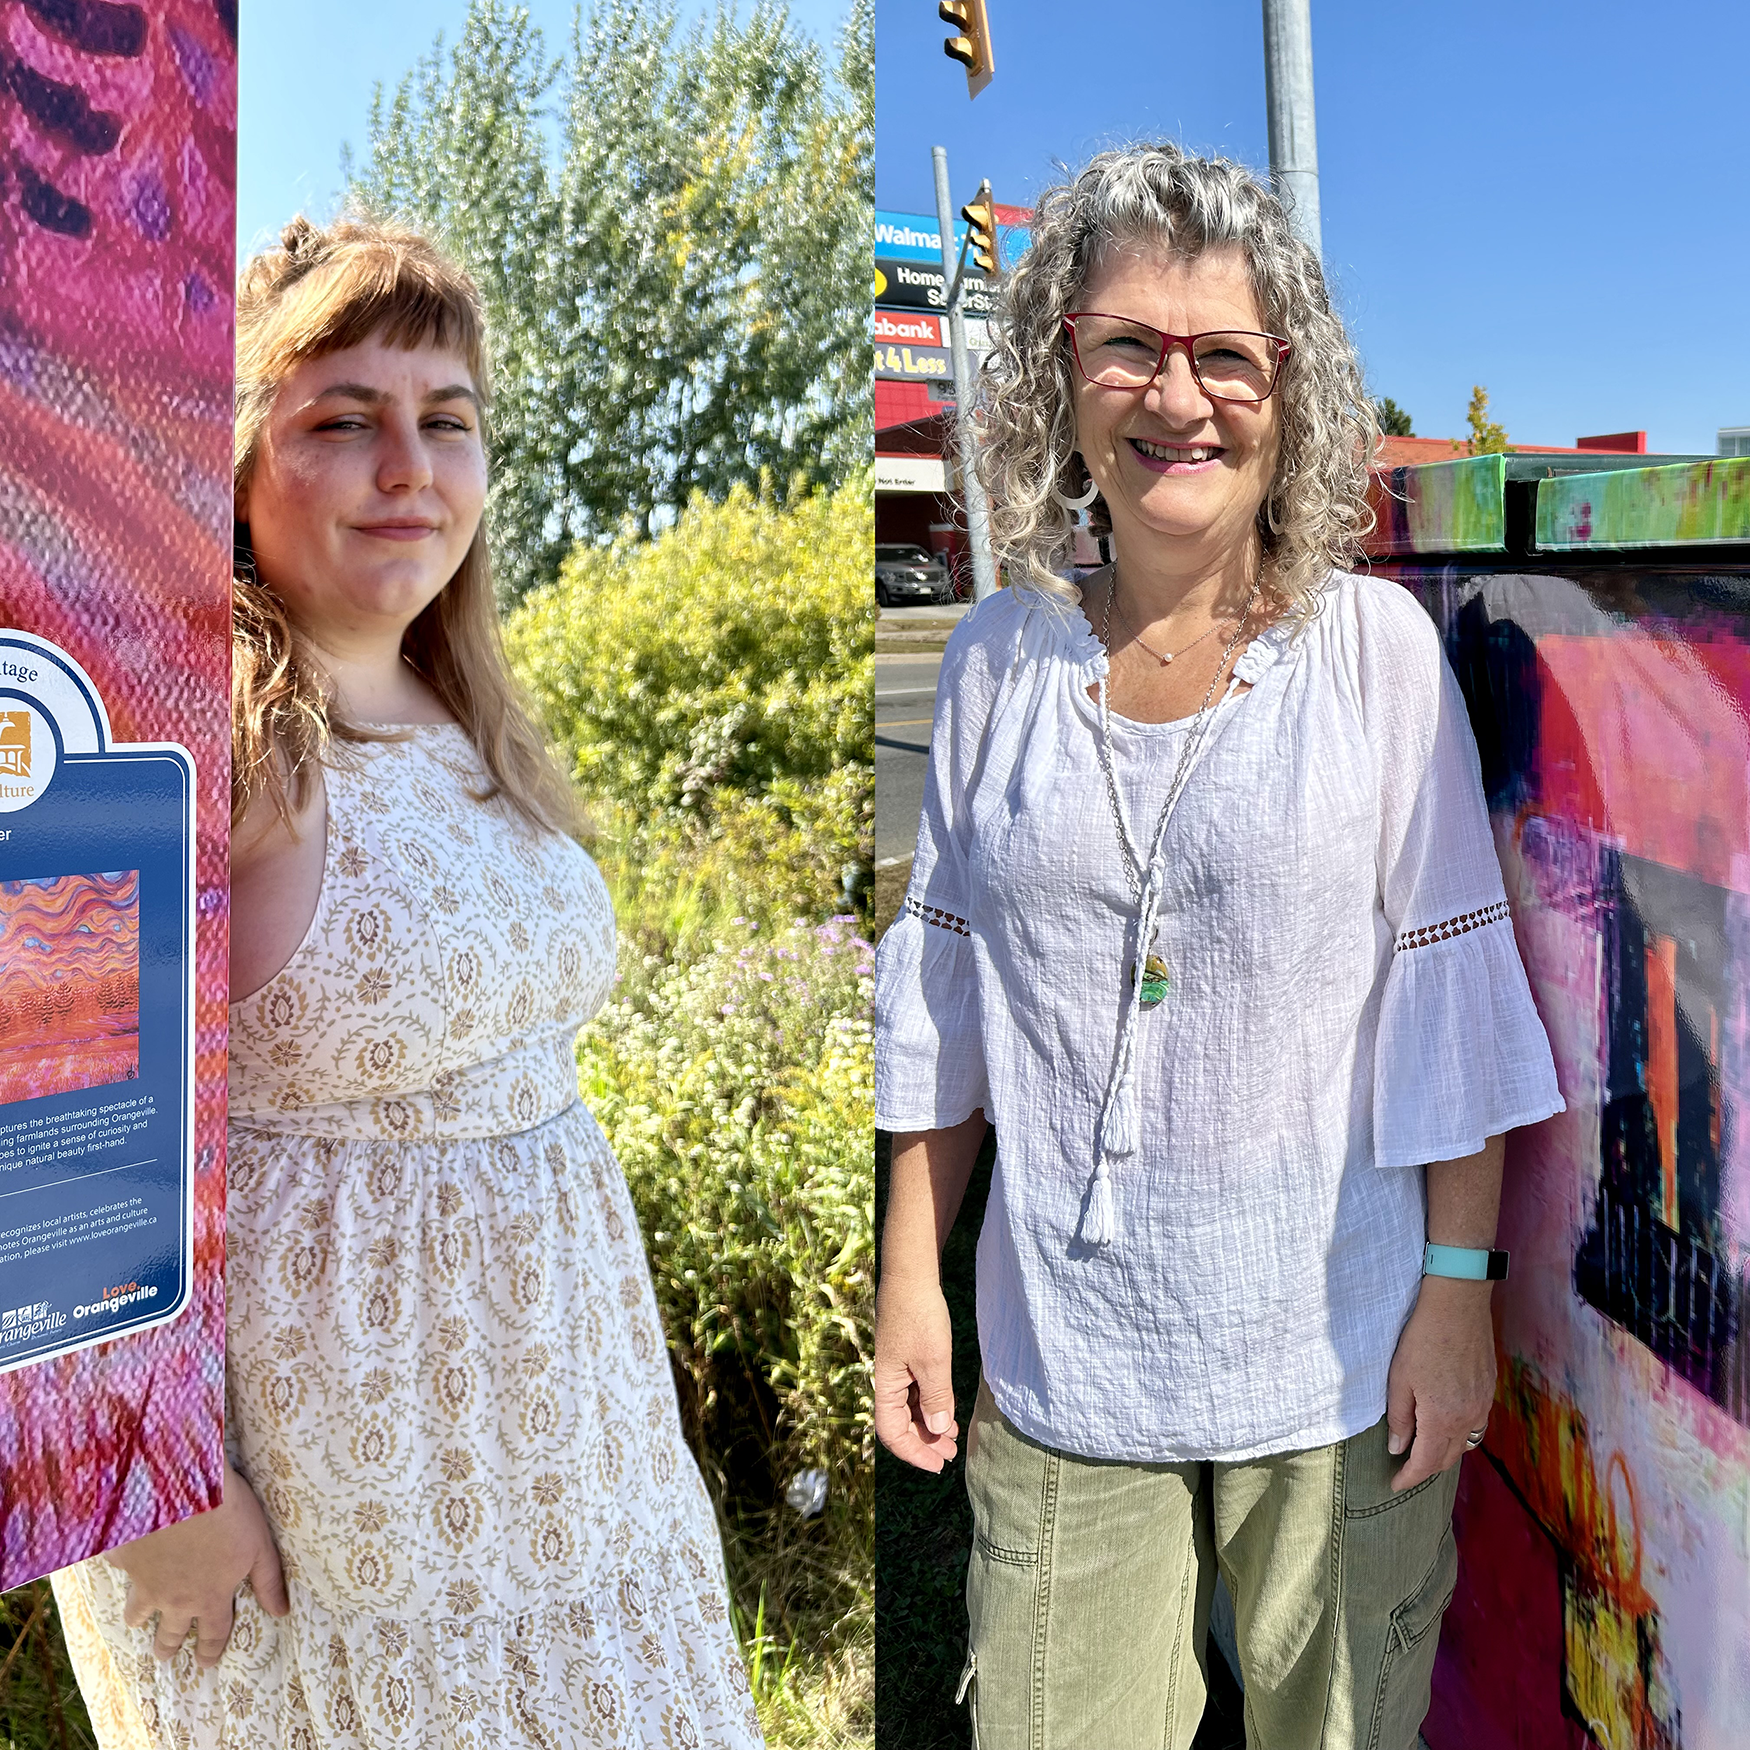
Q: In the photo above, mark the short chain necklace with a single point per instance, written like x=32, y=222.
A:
x=1163, y=657
x=1120, y=1124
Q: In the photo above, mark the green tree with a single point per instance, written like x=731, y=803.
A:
x=1486, y=437
x=1393, y=420
x=672, y=229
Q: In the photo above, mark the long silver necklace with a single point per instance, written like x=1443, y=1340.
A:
x=1120, y=1122
x=1155, y=976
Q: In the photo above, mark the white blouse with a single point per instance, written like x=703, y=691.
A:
x=1346, y=1005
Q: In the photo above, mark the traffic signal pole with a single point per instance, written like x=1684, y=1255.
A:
x=984, y=571
x=1288, y=97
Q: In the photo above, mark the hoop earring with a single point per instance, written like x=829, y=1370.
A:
x=1082, y=503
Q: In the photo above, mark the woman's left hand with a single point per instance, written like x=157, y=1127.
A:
x=1442, y=1379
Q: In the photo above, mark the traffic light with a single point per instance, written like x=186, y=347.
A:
x=971, y=48
x=980, y=214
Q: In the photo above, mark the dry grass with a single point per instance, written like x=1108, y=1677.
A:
x=890, y=885
x=40, y=1708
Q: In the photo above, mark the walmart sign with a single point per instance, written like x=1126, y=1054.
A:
x=916, y=237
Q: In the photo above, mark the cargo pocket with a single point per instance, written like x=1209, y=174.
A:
x=1012, y=1483
x=1407, y=1669
x=1398, y=1565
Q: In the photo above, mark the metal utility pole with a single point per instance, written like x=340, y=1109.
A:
x=984, y=571
x=1288, y=95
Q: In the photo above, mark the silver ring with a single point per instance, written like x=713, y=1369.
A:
x=1474, y=1439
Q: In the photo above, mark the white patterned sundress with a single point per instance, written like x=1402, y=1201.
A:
x=446, y=1378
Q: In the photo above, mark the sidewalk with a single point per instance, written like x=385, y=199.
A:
x=903, y=630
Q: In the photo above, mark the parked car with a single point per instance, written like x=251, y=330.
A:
x=906, y=574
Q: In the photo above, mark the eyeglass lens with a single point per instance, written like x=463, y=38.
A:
x=1123, y=355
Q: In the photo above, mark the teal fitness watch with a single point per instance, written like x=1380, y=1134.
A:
x=1473, y=1263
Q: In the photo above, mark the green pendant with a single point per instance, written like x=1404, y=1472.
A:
x=1154, y=981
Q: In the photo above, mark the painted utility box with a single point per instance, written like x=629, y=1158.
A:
x=1600, y=626
x=116, y=237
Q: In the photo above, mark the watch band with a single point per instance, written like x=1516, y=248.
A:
x=1472, y=1263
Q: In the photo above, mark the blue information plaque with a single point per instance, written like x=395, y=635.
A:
x=96, y=1015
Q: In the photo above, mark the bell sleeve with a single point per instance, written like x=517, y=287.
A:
x=1460, y=1054
x=929, y=1047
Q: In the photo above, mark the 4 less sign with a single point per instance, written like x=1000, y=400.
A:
x=916, y=285
x=915, y=364
x=913, y=347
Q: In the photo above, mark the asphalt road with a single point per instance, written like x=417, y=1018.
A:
x=905, y=698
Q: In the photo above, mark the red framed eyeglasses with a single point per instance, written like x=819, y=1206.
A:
x=1229, y=364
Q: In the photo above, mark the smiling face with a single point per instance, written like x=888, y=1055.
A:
x=1172, y=462
x=367, y=487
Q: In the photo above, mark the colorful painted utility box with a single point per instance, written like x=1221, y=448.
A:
x=117, y=213
x=1604, y=1528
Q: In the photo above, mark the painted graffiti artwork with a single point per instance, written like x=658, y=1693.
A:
x=1604, y=1535
x=69, y=982
x=117, y=214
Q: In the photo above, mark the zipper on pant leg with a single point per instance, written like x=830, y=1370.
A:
x=967, y=1675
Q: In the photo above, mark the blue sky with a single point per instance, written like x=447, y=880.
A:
x=306, y=72
x=1548, y=197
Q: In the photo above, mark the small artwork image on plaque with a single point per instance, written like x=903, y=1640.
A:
x=70, y=984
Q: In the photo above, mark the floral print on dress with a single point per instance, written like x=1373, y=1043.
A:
x=445, y=1376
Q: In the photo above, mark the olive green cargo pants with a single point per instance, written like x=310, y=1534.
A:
x=1090, y=1588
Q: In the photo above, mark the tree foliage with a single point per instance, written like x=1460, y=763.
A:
x=711, y=690
x=1486, y=437
x=672, y=230
x=1393, y=420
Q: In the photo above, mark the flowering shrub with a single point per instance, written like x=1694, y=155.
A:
x=712, y=691
x=737, y=1090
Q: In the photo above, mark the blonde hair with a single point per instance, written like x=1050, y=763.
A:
x=324, y=290
x=1315, y=514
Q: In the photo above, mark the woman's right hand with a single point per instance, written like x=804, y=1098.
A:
x=188, y=1574
x=914, y=1374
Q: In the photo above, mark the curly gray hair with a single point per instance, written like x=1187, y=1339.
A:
x=1315, y=514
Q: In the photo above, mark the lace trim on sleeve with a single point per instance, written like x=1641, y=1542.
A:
x=933, y=914
x=1458, y=926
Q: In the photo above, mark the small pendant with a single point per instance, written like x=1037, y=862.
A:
x=1165, y=660
x=1154, y=981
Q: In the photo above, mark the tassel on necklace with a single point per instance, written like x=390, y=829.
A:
x=1120, y=1132
x=1100, y=1224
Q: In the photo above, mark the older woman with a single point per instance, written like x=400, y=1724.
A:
x=1206, y=919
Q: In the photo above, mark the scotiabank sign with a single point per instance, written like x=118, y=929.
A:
x=917, y=327
x=917, y=285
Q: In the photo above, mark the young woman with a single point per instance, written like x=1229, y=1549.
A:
x=1206, y=919
x=458, y=1507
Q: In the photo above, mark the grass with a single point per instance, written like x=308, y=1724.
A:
x=740, y=1159
x=812, y=1700
x=890, y=885
x=40, y=1708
